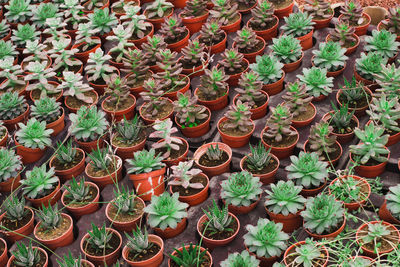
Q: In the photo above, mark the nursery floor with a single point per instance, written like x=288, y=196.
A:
x=389, y=178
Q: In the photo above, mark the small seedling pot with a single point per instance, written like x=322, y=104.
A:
x=216, y=170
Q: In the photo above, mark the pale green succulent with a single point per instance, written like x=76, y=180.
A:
x=10, y=164
x=382, y=42
x=286, y=48
x=298, y=24
x=145, y=161
x=34, y=134
x=369, y=65
x=243, y=259
x=49, y=217
x=330, y=56
x=26, y=255
x=307, y=254
x=316, y=81
x=393, y=201
x=39, y=182
x=139, y=241
x=88, y=123
x=268, y=67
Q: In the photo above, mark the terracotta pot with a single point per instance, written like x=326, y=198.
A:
x=350, y=50
x=3, y=141
x=197, y=198
x=196, y=71
x=29, y=155
x=126, y=226
x=319, y=98
x=361, y=30
x=370, y=171
x=63, y=240
x=353, y=205
x=196, y=131
x=119, y=115
x=84, y=56
x=292, y=249
x=4, y=256
x=323, y=23
x=66, y=175
x=8, y=36
x=234, y=78
x=127, y=152
x=171, y=232
x=178, y=3
x=290, y=67
x=327, y=236
x=361, y=79
x=89, y=208
x=110, y=258
x=267, y=34
x=88, y=147
x=174, y=95
x=49, y=199
x=306, y=41
x=314, y=191
x=12, y=124
x=74, y=110
x=201, y=249
x=150, y=121
x=274, y=88
x=259, y=112
x=111, y=178
x=251, y=57
x=21, y=232
x=264, y=262
x=177, y=46
x=239, y=210
x=386, y=215
x=280, y=152
x=11, y=184
x=135, y=91
x=372, y=253
x=284, y=12
x=148, y=184
x=154, y=261
x=216, y=170
x=331, y=161
x=290, y=222
x=194, y=24
x=211, y=243
x=217, y=48
x=175, y=161
x=299, y=124
x=216, y=104
x=159, y=21
x=342, y=138
x=357, y=111
x=45, y=264
x=234, y=26
x=138, y=42
x=265, y=178
x=380, y=27
x=234, y=141
x=57, y=125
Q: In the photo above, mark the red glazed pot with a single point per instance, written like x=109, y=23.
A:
x=359, y=112
x=45, y=264
x=266, y=34
x=259, y=112
x=171, y=232
x=361, y=30
x=299, y=124
x=63, y=240
x=119, y=115
x=47, y=200
x=219, y=47
x=4, y=256
x=211, y=243
x=88, y=147
x=21, y=232
x=11, y=184
x=280, y=152
x=187, y=247
x=154, y=261
x=89, y=208
x=111, y=178
x=157, y=22
x=29, y=155
x=66, y=175
x=195, y=199
x=274, y=88
x=327, y=236
x=110, y=258
x=234, y=141
x=251, y=57
x=194, y=24
x=290, y=222
x=352, y=49
x=57, y=125
x=292, y=249
x=380, y=26
x=174, y=95
x=138, y=42
x=84, y=56
x=386, y=215
x=127, y=152
x=150, y=121
x=172, y=162
x=239, y=210
x=196, y=131
x=12, y=124
x=370, y=171
x=177, y=47
x=332, y=161
x=148, y=184
x=216, y=170
x=290, y=67
x=342, y=138
x=265, y=178
x=234, y=26
x=126, y=226
x=314, y=191
x=306, y=41
x=216, y=104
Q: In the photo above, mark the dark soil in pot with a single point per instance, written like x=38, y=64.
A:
x=257, y=104
x=272, y=164
x=347, y=44
x=370, y=162
x=256, y=27
x=139, y=82
x=283, y=4
x=234, y=132
x=363, y=102
x=46, y=234
x=205, y=161
x=14, y=225
x=74, y=69
x=163, y=112
x=36, y=94
x=333, y=155
x=167, y=13
x=217, y=40
x=82, y=45
x=190, y=191
x=119, y=216
x=61, y=167
x=177, y=38
x=111, y=168
x=145, y=33
x=41, y=262
x=194, y=124
x=350, y=129
x=303, y=116
x=208, y=98
x=257, y=48
x=123, y=105
x=73, y=204
x=119, y=142
x=286, y=141
x=174, y=153
x=146, y=254
x=222, y=235
x=112, y=245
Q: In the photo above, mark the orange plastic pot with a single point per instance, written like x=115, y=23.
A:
x=219, y=47
x=135, y=91
x=66, y=175
x=234, y=141
x=313, y=191
x=11, y=125
x=154, y=261
x=234, y=78
x=281, y=152
x=323, y=23
x=171, y=232
x=74, y=110
x=239, y=210
x=196, y=131
x=327, y=236
x=157, y=22
x=63, y=240
x=234, y=26
x=216, y=170
x=21, y=232
x=119, y=115
x=331, y=161
x=360, y=30
x=88, y=147
x=330, y=73
x=45, y=264
x=49, y=199
x=359, y=112
x=201, y=249
x=259, y=112
x=370, y=171
x=216, y=104
x=386, y=215
x=212, y=243
x=84, y=56
x=148, y=184
x=194, y=24
x=138, y=42
x=372, y=253
x=177, y=46
x=11, y=184
x=196, y=71
x=127, y=152
x=350, y=50
x=195, y=199
x=306, y=41
x=4, y=256
x=251, y=57
x=299, y=124
x=284, y=12
x=174, y=95
x=267, y=34
x=178, y=3
x=99, y=88
x=380, y=26
x=361, y=79
x=57, y=125
x=150, y=121
x=111, y=178
x=265, y=178
x=126, y=226
x=29, y=155
x=274, y=88
x=172, y=162
x=290, y=222
x=342, y=138
x=89, y=208
x=290, y=67
x=108, y=259
x=264, y=262
x=292, y=249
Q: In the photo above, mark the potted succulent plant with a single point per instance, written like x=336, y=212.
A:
x=213, y=36
x=384, y=43
x=12, y=75
x=136, y=69
x=101, y=245
x=225, y=12
x=282, y=7
x=55, y=229
x=3, y=135
x=263, y=21
x=234, y=64
x=387, y=80
x=213, y=158
x=24, y=255
x=63, y=59
x=81, y=198
x=317, y=82
x=217, y=227
x=300, y=25
x=194, y=15
x=345, y=36
x=13, y=109
x=167, y=215
x=150, y=49
x=70, y=261
x=8, y=50
x=120, y=37
x=240, y=259
x=367, y=66
x=10, y=170
x=389, y=210
x=356, y=95
x=146, y=166
x=279, y=135
x=321, y=11
x=241, y=192
x=35, y=51
x=48, y=110
x=125, y=211
x=23, y=33
x=194, y=58
x=288, y=51
x=140, y=28
x=176, y=35
x=284, y=204
x=102, y=20
x=352, y=12
x=330, y=56
x=256, y=243
x=191, y=184
x=305, y=253
x=249, y=44
x=157, y=11
x=143, y=249
x=85, y=41
x=270, y=72
x=390, y=23
x=357, y=261
x=190, y=255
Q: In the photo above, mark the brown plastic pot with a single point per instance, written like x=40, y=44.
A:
x=332, y=161
x=126, y=226
x=63, y=240
x=353, y=205
x=4, y=256
x=119, y=115
x=127, y=152
x=327, y=236
x=251, y=57
x=194, y=24
x=299, y=124
x=174, y=95
x=148, y=184
x=187, y=247
x=313, y=191
x=258, y=112
x=274, y=88
x=306, y=41
x=265, y=178
x=361, y=30
x=216, y=104
x=217, y=48
x=359, y=112
x=234, y=141
x=172, y=162
x=211, y=243
x=57, y=125
x=350, y=50
x=197, y=198
x=171, y=232
x=150, y=121
x=66, y=175
x=11, y=184
x=45, y=264
x=159, y=21
x=88, y=147
x=292, y=249
x=177, y=46
x=110, y=258
x=196, y=131
x=154, y=261
x=11, y=125
x=380, y=27
x=21, y=232
x=370, y=171
x=29, y=155
x=280, y=152
x=49, y=199
x=111, y=178
x=234, y=26
x=138, y=42
x=239, y=210
x=84, y=56
x=284, y=12
x=386, y=215
x=290, y=222
x=74, y=110
x=342, y=138
x=216, y=170
x=290, y=67
x=267, y=34
x=89, y=208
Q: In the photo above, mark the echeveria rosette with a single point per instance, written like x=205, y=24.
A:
x=163, y=129
x=183, y=173
x=10, y=164
x=286, y=48
x=389, y=81
x=393, y=201
x=298, y=24
x=88, y=123
x=243, y=259
x=330, y=56
x=382, y=42
x=369, y=65
x=34, y=134
x=145, y=161
x=316, y=81
x=269, y=68
x=38, y=182
x=385, y=112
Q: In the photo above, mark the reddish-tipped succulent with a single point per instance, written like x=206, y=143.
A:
x=320, y=9
x=352, y=12
x=173, y=30
x=238, y=118
x=297, y=98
